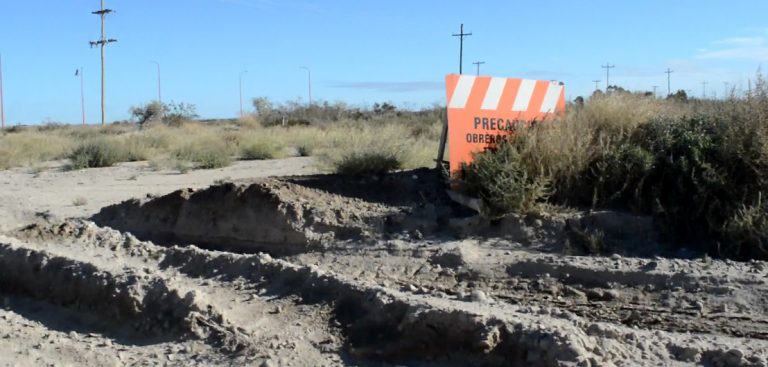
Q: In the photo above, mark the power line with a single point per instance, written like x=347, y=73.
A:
x=102, y=43
x=669, y=74
x=596, y=81
x=607, y=68
x=478, y=63
x=461, y=36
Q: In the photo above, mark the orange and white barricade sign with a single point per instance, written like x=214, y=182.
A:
x=484, y=110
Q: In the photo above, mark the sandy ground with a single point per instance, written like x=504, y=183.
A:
x=24, y=191
x=368, y=272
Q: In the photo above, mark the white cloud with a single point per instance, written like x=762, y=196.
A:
x=737, y=48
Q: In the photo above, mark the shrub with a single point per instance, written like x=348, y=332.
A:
x=501, y=179
x=95, y=153
x=747, y=233
x=260, y=149
x=148, y=112
x=367, y=163
x=176, y=114
x=205, y=153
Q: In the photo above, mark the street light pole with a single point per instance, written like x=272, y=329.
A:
x=82, y=94
x=241, y=91
x=309, y=82
x=159, y=87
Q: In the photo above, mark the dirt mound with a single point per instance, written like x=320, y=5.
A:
x=270, y=215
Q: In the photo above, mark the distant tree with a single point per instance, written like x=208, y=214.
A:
x=383, y=108
x=146, y=113
x=679, y=96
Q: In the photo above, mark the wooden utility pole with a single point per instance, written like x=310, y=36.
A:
x=596, y=81
x=2, y=107
x=461, y=36
x=241, y=92
x=607, y=68
x=704, y=90
x=669, y=88
x=478, y=63
x=102, y=43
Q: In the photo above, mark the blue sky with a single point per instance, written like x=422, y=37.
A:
x=360, y=52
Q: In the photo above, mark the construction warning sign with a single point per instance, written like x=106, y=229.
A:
x=484, y=110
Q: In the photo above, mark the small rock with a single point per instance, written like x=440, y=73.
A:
x=650, y=266
x=416, y=235
x=575, y=293
x=733, y=357
x=611, y=295
x=267, y=363
x=615, y=257
x=595, y=294
x=479, y=296
x=277, y=310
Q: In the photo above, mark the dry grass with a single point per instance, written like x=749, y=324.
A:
x=197, y=145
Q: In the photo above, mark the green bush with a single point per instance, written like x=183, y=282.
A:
x=367, y=163
x=260, y=149
x=204, y=154
x=502, y=180
x=747, y=233
x=95, y=153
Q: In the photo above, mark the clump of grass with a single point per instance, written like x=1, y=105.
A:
x=367, y=163
x=204, y=153
x=260, y=148
x=95, y=153
x=360, y=151
x=79, y=201
x=30, y=147
x=304, y=150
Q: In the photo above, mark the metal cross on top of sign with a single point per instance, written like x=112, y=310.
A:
x=484, y=111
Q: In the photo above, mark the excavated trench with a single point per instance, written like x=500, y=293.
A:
x=409, y=302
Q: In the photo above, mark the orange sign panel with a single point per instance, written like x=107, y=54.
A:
x=484, y=110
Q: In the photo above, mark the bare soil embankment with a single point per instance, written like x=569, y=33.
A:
x=328, y=270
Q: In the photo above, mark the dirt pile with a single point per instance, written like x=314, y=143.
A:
x=270, y=215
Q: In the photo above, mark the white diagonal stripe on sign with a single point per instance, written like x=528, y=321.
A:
x=551, y=98
x=524, y=95
x=462, y=91
x=493, y=96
